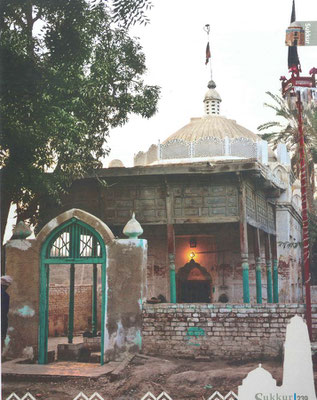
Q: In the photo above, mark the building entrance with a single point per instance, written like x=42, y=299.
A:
x=193, y=284
x=70, y=244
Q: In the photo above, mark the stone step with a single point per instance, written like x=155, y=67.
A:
x=93, y=344
x=95, y=357
x=51, y=356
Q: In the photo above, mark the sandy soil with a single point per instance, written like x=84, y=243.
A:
x=180, y=378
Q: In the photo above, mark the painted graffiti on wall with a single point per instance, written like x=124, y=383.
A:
x=193, y=333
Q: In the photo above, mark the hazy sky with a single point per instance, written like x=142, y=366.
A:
x=248, y=57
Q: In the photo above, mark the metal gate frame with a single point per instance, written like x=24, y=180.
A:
x=70, y=249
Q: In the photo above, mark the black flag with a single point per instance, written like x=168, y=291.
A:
x=293, y=60
x=208, y=55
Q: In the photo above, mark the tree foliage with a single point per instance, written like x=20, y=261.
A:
x=69, y=75
x=131, y=12
x=285, y=130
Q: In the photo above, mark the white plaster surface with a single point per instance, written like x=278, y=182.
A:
x=21, y=244
x=298, y=374
x=52, y=224
x=120, y=335
x=25, y=312
x=298, y=377
x=28, y=352
x=257, y=381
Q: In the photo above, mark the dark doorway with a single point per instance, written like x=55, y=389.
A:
x=193, y=284
x=195, y=292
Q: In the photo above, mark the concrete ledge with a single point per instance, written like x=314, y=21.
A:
x=69, y=351
x=58, y=369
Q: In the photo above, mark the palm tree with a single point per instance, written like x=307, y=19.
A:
x=286, y=131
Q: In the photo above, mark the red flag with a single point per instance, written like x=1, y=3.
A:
x=207, y=53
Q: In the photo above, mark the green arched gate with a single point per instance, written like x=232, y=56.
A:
x=73, y=242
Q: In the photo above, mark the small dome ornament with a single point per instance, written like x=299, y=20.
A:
x=116, y=164
x=21, y=231
x=211, y=85
x=132, y=229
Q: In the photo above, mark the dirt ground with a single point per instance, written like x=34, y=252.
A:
x=180, y=378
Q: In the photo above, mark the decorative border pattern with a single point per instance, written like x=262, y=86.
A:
x=148, y=396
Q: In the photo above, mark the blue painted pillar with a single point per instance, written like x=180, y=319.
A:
x=244, y=244
x=71, y=303
x=268, y=268
x=171, y=261
x=275, y=270
x=171, y=258
x=245, y=276
x=258, y=269
x=94, y=300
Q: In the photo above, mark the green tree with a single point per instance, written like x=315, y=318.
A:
x=70, y=72
x=285, y=130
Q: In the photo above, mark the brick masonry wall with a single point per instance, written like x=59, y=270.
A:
x=219, y=330
x=58, y=309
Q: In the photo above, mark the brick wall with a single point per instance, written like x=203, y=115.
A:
x=218, y=331
x=58, y=309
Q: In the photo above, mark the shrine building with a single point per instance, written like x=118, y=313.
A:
x=215, y=273
x=216, y=205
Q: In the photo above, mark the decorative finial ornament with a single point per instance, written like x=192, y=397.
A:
x=208, y=54
x=133, y=229
x=293, y=59
x=21, y=231
x=211, y=85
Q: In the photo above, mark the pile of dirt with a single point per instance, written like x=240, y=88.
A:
x=180, y=378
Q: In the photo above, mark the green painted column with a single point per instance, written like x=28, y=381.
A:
x=44, y=307
x=104, y=297
x=243, y=238
x=245, y=276
x=258, y=272
x=171, y=258
x=269, y=281
x=71, y=303
x=47, y=308
x=275, y=280
x=94, y=300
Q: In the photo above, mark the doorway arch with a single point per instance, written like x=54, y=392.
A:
x=194, y=284
x=73, y=242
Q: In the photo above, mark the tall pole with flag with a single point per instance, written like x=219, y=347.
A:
x=291, y=89
x=208, y=54
x=293, y=59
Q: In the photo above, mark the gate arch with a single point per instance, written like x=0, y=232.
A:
x=72, y=242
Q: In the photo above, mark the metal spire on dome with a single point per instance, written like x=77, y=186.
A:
x=208, y=55
x=293, y=59
x=212, y=98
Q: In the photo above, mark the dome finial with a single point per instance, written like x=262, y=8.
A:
x=211, y=85
x=212, y=99
x=132, y=229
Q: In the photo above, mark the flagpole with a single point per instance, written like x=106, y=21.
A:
x=207, y=30
x=210, y=60
x=292, y=88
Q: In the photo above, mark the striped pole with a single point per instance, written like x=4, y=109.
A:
x=304, y=214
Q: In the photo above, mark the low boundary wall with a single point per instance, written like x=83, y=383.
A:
x=229, y=331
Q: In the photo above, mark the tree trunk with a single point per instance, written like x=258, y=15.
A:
x=28, y=9
x=5, y=208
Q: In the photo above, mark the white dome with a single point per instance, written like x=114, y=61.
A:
x=212, y=94
x=116, y=164
x=212, y=126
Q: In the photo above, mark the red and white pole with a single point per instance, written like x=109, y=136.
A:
x=304, y=213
